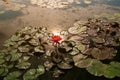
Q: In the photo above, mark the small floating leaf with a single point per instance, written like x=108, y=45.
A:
x=64, y=65
x=74, y=51
x=40, y=70
x=30, y=75
x=23, y=65
x=13, y=76
x=15, y=56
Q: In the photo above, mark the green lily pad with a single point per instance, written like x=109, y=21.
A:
x=30, y=75
x=34, y=42
x=15, y=56
x=23, y=49
x=24, y=58
x=23, y=65
x=74, y=51
x=64, y=65
x=13, y=76
x=115, y=68
x=81, y=47
x=40, y=70
x=9, y=43
x=39, y=49
x=108, y=73
x=2, y=70
x=8, y=57
x=97, y=68
x=5, y=72
x=2, y=61
x=15, y=38
x=84, y=63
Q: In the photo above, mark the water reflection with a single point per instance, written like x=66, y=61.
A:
x=10, y=15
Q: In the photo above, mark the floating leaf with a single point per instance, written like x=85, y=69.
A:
x=2, y=70
x=74, y=51
x=23, y=65
x=40, y=70
x=81, y=47
x=108, y=73
x=30, y=75
x=24, y=58
x=64, y=33
x=64, y=65
x=8, y=57
x=2, y=60
x=115, y=68
x=9, y=43
x=39, y=49
x=84, y=63
x=24, y=48
x=15, y=38
x=15, y=56
x=5, y=70
x=97, y=68
x=13, y=76
x=34, y=42
x=77, y=30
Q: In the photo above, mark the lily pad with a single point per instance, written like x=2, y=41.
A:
x=9, y=43
x=24, y=48
x=48, y=65
x=40, y=70
x=81, y=47
x=64, y=65
x=75, y=38
x=115, y=67
x=98, y=40
x=5, y=72
x=57, y=73
x=1, y=70
x=34, y=42
x=92, y=32
x=105, y=53
x=108, y=73
x=79, y=57
x=64, y=33
x=8, y=57
x=13, y=75
x=15, y=38
x=77, y=30
x=30, y=75
x=15, y=56
x=2, y=60
x=74, y=51
x=84, y=63
x=39, y=49
x=24, y=58
x=23, y=65
x=97, y=68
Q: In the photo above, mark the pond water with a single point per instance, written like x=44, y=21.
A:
x=56, y=15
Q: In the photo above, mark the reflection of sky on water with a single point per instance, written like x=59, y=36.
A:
x=114, y=2
x=10, y=15
x=93, y=2
x=19, y=4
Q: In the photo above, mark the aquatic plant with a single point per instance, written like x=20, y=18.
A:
x=29, y=53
